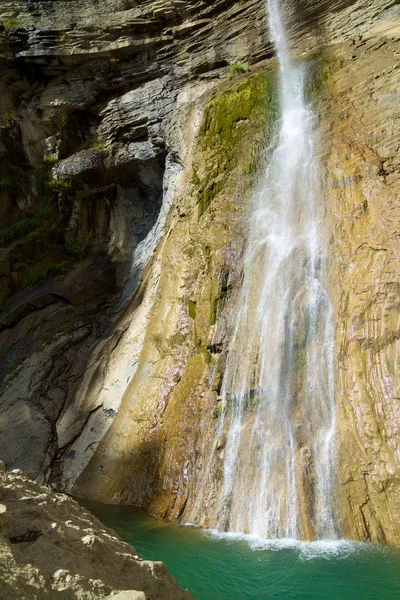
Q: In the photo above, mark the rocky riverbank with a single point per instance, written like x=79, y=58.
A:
x=51, y=547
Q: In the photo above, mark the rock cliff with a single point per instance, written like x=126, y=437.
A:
x=51, y=547
x=131, y=135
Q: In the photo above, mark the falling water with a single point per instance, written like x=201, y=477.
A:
x=278, y=392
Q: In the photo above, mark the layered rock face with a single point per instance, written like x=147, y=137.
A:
x=361, y=126
x=92, y=146
x=51, y=547
x=121, y=120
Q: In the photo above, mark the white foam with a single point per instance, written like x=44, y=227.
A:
x=325, y=549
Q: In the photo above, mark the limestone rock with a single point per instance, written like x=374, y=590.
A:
x=54, y=548
x=122, y=238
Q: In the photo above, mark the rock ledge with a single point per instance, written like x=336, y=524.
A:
x=51, y=547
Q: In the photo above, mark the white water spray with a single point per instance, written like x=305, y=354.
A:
x=278, y=463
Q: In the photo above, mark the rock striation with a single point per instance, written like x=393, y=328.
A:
x=51, y=547
x=131, y=134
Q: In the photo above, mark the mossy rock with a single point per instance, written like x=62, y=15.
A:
x=237, y=122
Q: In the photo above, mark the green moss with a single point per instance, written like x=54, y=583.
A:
x=77, y=243
x=21, y=228
x=57, y=184
x=343, y=115
x=236, y=122
x=11, y=24
x=175, y=341
x=192, y=309
x=50, y=159
x=41, y=245
x=195, y=178
x=12, y=369
x=254, y=99
x=207, y=356
x=205, y=196
x=320, y=75
x=54, y=269
x=214, y=297
x=99, y=144
x=218, y=296
x=64, y=119
x=238, y=69
x=218, y=410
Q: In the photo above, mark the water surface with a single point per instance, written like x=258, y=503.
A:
x=229, y=567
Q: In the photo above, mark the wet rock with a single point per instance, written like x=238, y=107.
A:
x=101, y=111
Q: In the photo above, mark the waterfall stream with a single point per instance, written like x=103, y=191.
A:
x=278, y=464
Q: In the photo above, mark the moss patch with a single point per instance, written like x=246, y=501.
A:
x=235, y=125
x=318, y=78
x=252, y=100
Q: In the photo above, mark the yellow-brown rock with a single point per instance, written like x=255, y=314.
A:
x=123, y=118
x=360, y=125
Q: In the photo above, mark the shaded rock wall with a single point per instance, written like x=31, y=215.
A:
x=89, y=155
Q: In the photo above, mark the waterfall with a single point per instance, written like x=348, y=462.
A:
x=278, y=463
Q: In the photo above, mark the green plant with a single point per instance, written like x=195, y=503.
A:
x=49, y=271
x=98, y=144
x=4, y=183
x=217, y=412
x=58, y=184
x=21, y=228
x=50, y=159
x=11, y=24
x=64, y=119
x=54, y=269
x=238, y=69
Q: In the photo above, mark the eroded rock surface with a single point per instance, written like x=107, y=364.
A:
x=128, y=155
x=361, y=127
x=51, y=547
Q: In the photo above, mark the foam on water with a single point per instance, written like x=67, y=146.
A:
x=325, y=549
x=223, y=566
